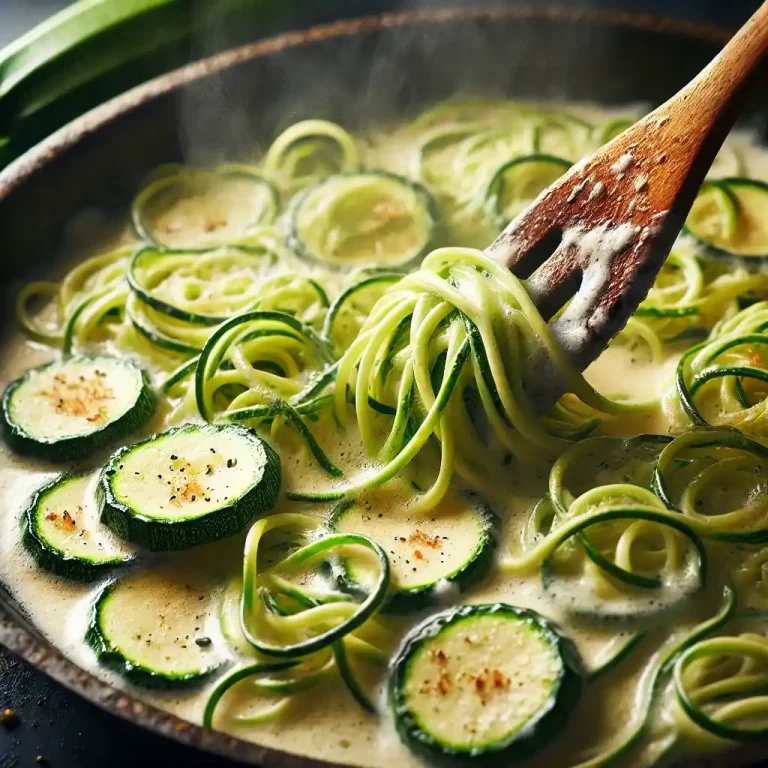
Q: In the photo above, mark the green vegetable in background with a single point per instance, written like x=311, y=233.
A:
x=95, y=49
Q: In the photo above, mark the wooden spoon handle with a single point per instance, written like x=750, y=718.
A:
x=713, y=92
x=690, y=128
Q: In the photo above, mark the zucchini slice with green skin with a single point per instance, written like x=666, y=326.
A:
x=453, y=549
x=484, y=683
x=191, y=485
x=63, y=534
x=151, y=627
x=187, y=208
x=730, y=217
x=518, y=183
x=353, y=219
x=69, y=409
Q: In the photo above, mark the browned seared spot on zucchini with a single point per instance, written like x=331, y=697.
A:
x=190, y=485
x=486, y=683
x=68, y=409
x=453, y=548
x=63, y=533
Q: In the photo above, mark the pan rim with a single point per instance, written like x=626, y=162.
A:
x=28, y=644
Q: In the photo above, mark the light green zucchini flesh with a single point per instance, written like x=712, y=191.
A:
x=204, y=209
x=63, y=533
x=357, y=219
x=490, y=683
x=518, y=183
x=152, y=627
x=451, y=549
x=730, y=216
x=68, y=409
x=347, y=314
x=190, y=485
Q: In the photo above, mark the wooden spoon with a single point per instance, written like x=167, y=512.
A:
x=599, y=235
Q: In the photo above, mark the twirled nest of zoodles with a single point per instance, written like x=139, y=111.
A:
x=331, y=300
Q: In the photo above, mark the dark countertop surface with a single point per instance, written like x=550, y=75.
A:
x=67, y=732
x=58, y=729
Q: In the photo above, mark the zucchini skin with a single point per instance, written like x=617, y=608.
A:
x=143, y=229
x=160, y=340
x=496, y=184
x=159, y=535
x=114, y=659
x=465, y=577
x=165, y=307
x=715, y=251
x=53, y=560
x=82, y=57
x=78, y=446
x=296, y=243
x=522, y=743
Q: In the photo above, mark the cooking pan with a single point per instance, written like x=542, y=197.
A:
x=372, y=69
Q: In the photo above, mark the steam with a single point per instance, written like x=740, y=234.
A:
x=365, y=78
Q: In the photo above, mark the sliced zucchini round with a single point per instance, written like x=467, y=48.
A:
x=68, y=409
x=730, y=217
x=152, y=628
x=518, y=183
x=184, y=208
x=63, y=533
x=484, y=682
x=191, y=485
x=455, y=547
x=349, y=220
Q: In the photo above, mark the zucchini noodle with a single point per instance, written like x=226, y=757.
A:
x=309, y=151
x=459, y=148
x=256, y=367
x=312, y=626
x=723, y=381
x=91, y=279
x=751, y=580
x=332, y=296
x=456, y=331
x=690, y=296
x=325, y=616
x=720, y=685
x=647, y=531
x=204, y=288
x=650, y=688
x=716, y=478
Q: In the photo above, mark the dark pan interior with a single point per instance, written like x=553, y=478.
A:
x=367, y=74
x=353, y=72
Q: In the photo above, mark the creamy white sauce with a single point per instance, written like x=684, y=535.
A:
x=331, y=726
